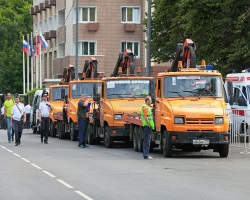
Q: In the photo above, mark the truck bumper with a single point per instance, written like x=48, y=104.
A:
x=115, y=131
x=196, y=137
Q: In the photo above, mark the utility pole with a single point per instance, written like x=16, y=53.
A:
x=76, y=56
x=148, y=66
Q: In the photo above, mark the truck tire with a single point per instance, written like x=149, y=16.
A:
x=140, y=139
x=73, y=132
x=52, y=129
x=108, y=141
x=223, y=150
x=60, y=129
x=135, y=135
x=167, y=146
x=90, y=136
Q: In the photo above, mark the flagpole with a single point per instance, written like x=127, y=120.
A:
x=23, y=71
x=40, y=61
x=36, y=61
x=28, y=64
x=32, y=62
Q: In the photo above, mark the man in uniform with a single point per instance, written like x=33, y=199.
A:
x=148, y=125
x=27, y=111
x=43, y=116
x=7, y=115
x=83, y=107
x=18, y=118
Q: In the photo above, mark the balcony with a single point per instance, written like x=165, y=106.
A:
x=46, y=36
x=61, y=34
x=60, y=4
x=52, y=2
x=130, y=27
x=52, y=33
x=46, y=4
x=93, y=26
x=37, y=9
x=42, y=7
x=32, y=11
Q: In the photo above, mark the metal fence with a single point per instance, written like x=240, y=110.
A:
x=239, y=130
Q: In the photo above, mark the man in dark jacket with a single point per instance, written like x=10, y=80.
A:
x=83, y=107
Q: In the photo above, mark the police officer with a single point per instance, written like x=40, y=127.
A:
x=17, y=119
x=43, y=116
x=148, y=125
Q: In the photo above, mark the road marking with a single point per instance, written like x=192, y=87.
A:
x=3, y=147
x=36, y=166
x=25, y=159
x=16, y=154
x=9, y=150
x=49, y=174
x=64, y=183
x=84, y=195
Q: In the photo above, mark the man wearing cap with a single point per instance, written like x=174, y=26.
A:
x=43, y=116
x=18, y=117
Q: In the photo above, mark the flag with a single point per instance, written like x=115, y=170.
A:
x=32, y=52
x=43, y=42
x=25, y=47
x=37, y=47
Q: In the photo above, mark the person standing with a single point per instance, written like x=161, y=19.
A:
x=18, y=118
x=7, y=114
x=2, y=118
x=83, y=107
x=27, y=111
x=43, y=116
x=148, y=125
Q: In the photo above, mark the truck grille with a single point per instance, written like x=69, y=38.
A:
x=199, y=121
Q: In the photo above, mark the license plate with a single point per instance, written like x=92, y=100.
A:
x=200, y=142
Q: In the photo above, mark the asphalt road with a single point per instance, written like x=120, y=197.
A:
x=61, y=170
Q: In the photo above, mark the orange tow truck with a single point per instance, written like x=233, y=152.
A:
x=189, y=109
x=56, y=99
x=123, y=92
x=67, y=119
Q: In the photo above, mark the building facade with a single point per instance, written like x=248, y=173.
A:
x=105, y=29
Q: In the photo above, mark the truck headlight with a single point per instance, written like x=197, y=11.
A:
x=179, y=120
x=219, y=120
x=118, y=117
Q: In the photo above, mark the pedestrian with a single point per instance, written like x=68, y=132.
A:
x=2, y=118
x=148, y=125
x=18, y=118
x=27, y=111
x=7, y=115
x=83, y=108
x=43, y=116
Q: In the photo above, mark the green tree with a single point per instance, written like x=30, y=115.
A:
x=220, y=30
x=15, y=21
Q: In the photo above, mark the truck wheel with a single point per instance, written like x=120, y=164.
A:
x=52, y=129
x=90, y=136
x=140, y=139
x=167, y=146
x=60, y=128
x=223, y=150
x=108, y=141
x=135, y=135
x=73, y=132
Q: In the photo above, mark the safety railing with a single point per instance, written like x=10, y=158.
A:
x=238, y=129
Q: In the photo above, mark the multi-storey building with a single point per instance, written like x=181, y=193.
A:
x=106, y=27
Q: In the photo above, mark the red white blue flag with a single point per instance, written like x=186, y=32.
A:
x=43, y=42
x=25, y=47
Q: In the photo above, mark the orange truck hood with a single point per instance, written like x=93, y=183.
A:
x=126, y=105
x=197, y=108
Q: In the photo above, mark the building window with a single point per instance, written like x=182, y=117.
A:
x=50, y=24
x=133, y=46
x=88, y=14
x=55, y=22
x=131, y=14
x=88, y=48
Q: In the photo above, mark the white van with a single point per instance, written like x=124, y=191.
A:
x=240, y=100
x=34, y=110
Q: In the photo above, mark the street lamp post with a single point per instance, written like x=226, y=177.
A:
x=148, y=66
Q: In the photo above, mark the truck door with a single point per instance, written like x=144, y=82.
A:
x=158, y=103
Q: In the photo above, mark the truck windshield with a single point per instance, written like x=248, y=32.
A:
x=189, y=86
x=82, y=88
x=127, y=88
x=56, y=93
